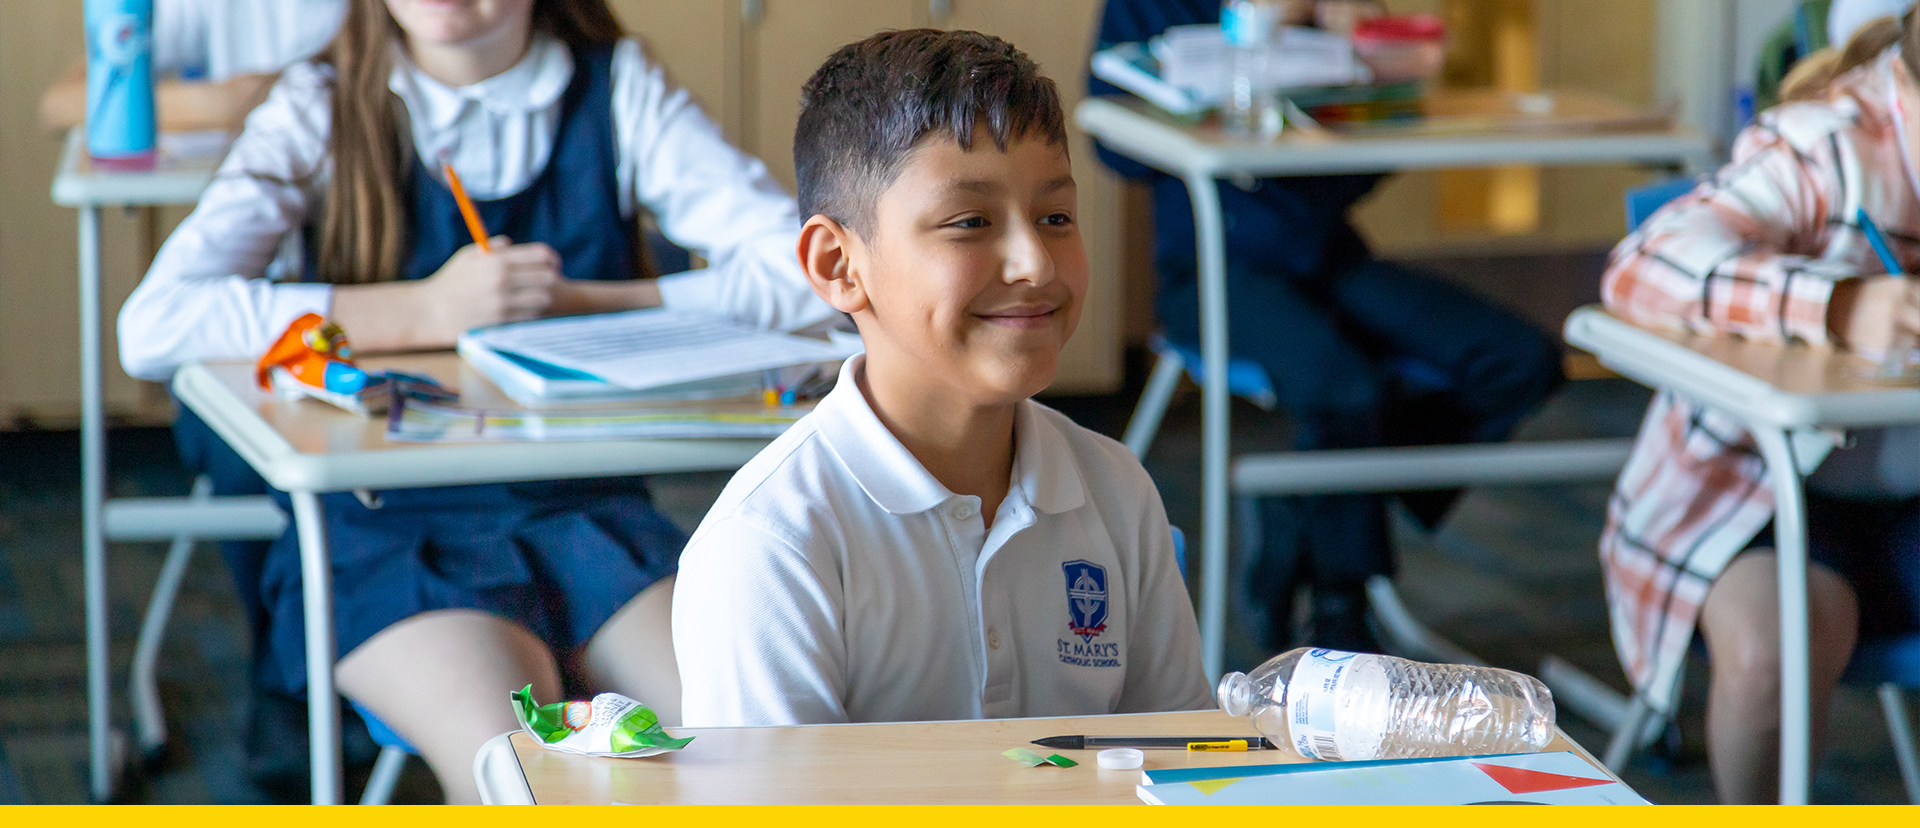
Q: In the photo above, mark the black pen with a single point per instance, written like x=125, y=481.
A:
x=1146, y=742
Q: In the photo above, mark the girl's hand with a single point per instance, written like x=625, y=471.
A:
x=1875, y=314
x=512, y=283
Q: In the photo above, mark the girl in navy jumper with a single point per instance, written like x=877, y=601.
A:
x=331, y=202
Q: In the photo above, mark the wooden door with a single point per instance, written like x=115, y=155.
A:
x=698, y=41
x=784, y=41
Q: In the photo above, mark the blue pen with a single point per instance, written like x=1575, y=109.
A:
x=1894, y=364
x=1879, y=243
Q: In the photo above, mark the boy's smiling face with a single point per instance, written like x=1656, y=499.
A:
x=970, y=272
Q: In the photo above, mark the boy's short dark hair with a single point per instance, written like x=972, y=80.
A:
x=866, y=108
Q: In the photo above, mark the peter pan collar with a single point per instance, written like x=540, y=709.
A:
x=533, y=83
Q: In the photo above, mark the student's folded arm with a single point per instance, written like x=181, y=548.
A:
x=1164, y=671
x=205, y=297
x=710, y=197
x=756, y=631
x=1740, y=253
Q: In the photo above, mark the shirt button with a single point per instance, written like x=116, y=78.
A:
x=962, y=510
x=993, y=639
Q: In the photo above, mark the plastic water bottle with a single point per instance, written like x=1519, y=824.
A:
x=1340, y=706
x=120, y=114
x=1252, y=31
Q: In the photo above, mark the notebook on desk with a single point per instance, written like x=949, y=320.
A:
x=532, y=382
x=641, y=354
x=1557, y=778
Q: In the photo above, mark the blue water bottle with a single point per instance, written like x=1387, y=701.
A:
x=120, y=116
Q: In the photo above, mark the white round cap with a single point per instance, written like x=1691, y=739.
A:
x=1120, y=759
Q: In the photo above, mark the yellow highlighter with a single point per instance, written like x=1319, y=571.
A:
x=1231, y=744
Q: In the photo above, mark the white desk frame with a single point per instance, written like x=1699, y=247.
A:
x=235, y=417
x=1791, y=430
x=77, y=185
x=1201, y=158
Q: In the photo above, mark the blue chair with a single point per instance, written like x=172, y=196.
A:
x=1642, y=201
x=1891, y=665
x=1245, y=378
x=393, y=759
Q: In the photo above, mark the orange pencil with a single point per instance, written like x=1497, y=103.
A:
x=467, y=212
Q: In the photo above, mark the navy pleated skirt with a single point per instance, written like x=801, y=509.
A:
x=558, y=557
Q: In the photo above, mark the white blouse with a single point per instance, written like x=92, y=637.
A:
x=215, y=292
x=218, y=39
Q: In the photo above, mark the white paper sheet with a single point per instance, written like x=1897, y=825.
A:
x=656, y=347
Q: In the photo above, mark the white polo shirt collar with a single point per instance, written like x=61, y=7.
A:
x=1044, y=472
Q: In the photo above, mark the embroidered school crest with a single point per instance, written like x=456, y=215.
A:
x=1086, y=598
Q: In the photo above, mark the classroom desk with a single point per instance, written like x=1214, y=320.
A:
x=78, y=184
x=307, y=448
x=916, y=763
x=1201, y=156
x=1795, y=399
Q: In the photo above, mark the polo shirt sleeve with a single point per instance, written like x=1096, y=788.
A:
x=756, y=630
x=1164, y=671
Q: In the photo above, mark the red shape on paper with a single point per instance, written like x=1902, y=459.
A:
x=1523, y=781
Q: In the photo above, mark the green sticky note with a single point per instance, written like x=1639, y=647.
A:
x=1031, y=759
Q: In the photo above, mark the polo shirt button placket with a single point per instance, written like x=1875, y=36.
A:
x=962, y=510
x=993, y=638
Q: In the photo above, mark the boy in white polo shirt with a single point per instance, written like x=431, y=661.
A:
x=929, y=543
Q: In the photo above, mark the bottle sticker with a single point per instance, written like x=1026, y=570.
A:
x=1311, y=699
x=1248, y=23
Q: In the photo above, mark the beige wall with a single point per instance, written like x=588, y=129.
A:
x=746, y=71
x=744, y=62
x=1599, y=46
x=39, y=367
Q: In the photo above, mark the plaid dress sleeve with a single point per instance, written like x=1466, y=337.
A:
x=1745, y=252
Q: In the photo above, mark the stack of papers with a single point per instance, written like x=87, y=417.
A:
x=1558, y=778
x=635, y=355
x=1197, y=58
x=1185, y=70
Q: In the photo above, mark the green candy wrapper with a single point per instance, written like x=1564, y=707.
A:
x=610, y=725
x=1034, y=760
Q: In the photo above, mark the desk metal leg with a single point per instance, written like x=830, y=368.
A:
x=323, y=709
x=1215, y=526
x=1790, y=542
x=93, y=494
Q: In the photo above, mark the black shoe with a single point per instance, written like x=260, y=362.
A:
x=1340, y=621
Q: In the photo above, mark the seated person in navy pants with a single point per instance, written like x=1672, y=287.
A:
x=1362, y=353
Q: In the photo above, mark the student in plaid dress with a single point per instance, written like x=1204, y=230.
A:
x=1769, y=249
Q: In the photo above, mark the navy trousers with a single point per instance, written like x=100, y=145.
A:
x=1372, y=354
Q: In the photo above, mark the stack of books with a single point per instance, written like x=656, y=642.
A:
x=1184, y=71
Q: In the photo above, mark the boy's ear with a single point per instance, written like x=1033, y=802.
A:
x=831, y=254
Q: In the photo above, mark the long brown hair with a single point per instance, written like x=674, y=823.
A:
x=1812, y=78
x=363, y=219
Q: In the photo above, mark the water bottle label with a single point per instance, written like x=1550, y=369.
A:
x=1248, y=23
x=1311, y=701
